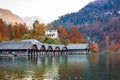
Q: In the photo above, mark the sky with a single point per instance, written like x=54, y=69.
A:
x=48, y=10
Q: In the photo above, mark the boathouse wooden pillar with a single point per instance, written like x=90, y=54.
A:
x=33, y=51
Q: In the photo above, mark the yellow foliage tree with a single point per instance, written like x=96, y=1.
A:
x=16, y=32
x=40, y=30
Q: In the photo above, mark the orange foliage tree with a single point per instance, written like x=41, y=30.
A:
x=23, y=29
x=0, y=37
x=63, y=32
x=75, y=35
x=10, y=31
x=63, y=35
x=94, y=47
x=3, y=30
x=114, y=47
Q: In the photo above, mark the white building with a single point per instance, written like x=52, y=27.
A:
x=52, y=33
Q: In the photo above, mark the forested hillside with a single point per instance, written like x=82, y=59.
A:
x=99, y=20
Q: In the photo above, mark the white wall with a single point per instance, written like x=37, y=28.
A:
x=52, y=33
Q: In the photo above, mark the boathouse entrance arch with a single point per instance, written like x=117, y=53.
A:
x=34, y=47
x=57, y=49
x=33, y=50
x=49, y=48
x=42, y=48
x=64, y=49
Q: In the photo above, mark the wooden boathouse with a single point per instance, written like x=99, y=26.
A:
x=78, y=48
x=34, y=47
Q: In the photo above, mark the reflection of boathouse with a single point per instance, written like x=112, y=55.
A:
x=33, y=46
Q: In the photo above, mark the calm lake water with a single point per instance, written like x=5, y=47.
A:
x=69, y=67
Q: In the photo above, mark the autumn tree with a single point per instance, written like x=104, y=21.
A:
x=16, y=32
x=35, y=25
x=3, y=28
x=74, y=35
x=26, y=36
x=94, y=47
x=0, y=37
x=23, y=29
x=38, y=31
x=63, y=35
x=114, y=47
x=10, y=31
x=63, y=32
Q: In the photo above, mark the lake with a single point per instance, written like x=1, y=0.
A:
x=65, y=67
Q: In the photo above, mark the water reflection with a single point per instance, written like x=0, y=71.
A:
x=67, y=67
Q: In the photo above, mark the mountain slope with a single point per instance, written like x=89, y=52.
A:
x=100, y=20
x=9, y=17
x=98, y=10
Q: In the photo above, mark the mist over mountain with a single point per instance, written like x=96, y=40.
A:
x=9, y=17
x=30, y=20
x=99, y=20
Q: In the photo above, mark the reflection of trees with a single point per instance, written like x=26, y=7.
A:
x=94, y=58
x=38, y=66
x=69, y=71
x=113, y=62
x=63, y=68
x=103, y=66
x=72, y=72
